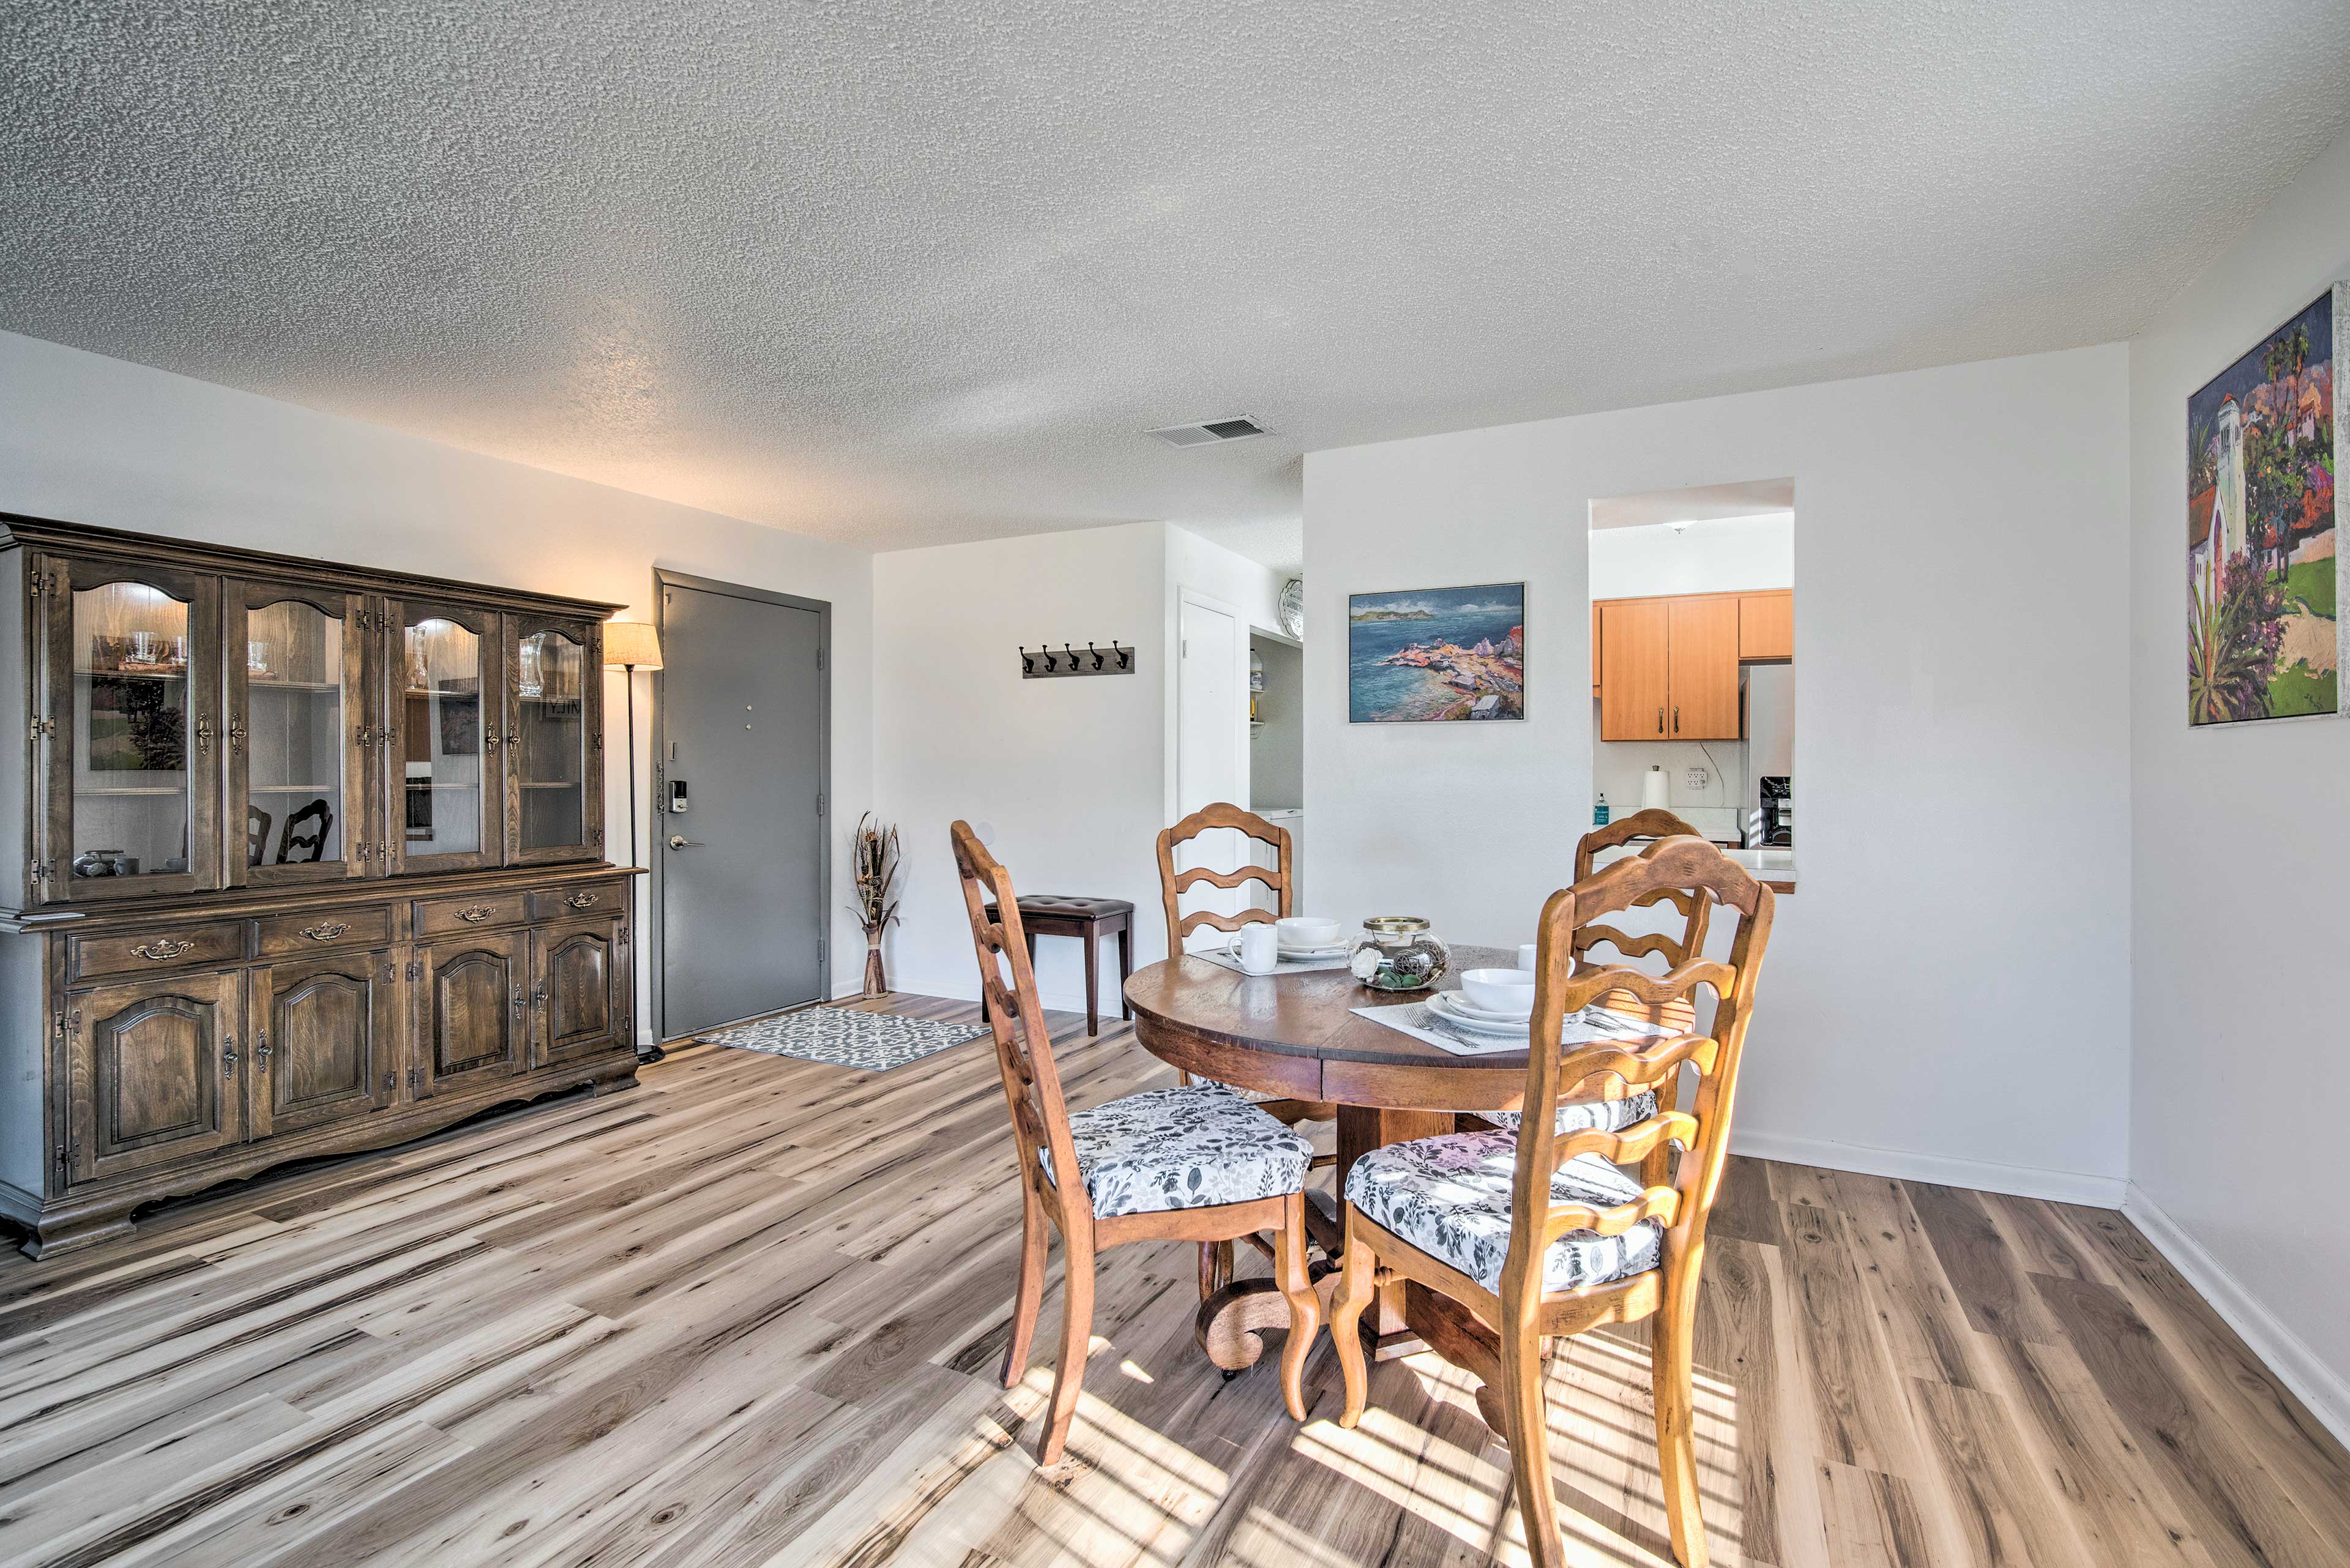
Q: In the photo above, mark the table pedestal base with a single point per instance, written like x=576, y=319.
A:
x=1230, y=1325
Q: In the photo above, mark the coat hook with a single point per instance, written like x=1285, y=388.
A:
x=1050, y=665
x=1124, y=657
x=1073, y=657
x=1096, y=653
x=1027, y=660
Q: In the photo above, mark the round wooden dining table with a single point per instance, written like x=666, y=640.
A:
x=1296, y=1036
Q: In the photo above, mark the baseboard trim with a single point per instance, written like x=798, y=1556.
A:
x=2324, y=1390
x=1908, y=1165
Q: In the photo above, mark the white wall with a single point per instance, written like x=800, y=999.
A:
x=93, y=440
x=1070, y=773
x=2237, y=1159
x=1720, y=556
x=1077, y=777
x=1945, y=996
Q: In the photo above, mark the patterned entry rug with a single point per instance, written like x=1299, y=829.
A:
x=869, y=1042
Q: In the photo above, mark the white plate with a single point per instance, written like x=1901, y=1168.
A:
x=1458, y=1014
x=1462, y=1007
x=1337, y=949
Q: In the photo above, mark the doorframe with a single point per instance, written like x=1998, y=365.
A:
x=1238, y=653
x=1240, y=630
x=656, y=928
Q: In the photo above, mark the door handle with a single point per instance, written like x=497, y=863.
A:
x=680, y=841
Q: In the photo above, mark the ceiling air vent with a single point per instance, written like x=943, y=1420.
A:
x=1207, y=432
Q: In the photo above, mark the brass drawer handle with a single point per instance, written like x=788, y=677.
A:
x=161, y=948
x=580, y=901
x=476, y=915
x=324, y=931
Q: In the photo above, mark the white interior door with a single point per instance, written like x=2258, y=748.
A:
x=1210, y=746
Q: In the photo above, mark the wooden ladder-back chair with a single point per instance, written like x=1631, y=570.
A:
x=1651, y=822
x=1194, y=1163
x=1585, y=1243
x=1216, y=1261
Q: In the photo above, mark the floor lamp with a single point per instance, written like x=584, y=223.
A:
x=631, y=646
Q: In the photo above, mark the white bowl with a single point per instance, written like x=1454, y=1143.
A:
x=1300, y=932
x=1510, y=991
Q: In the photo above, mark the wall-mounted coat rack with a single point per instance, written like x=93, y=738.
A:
x=1042, y=663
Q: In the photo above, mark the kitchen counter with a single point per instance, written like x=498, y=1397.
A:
x=1775, y=868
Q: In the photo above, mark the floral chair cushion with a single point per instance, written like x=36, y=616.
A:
x=1191, y=1147
x=1586, y=1115
x=1450, y=1197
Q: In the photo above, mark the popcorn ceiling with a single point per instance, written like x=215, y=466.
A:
x=901, y=274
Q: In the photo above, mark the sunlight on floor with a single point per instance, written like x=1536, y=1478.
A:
x=1128, y=1495
x=1390, y=1457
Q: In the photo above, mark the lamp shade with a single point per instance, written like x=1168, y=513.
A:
x=632, y=643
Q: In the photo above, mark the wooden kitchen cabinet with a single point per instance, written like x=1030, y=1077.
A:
x=1766, y=625
x=1666, y=669
x=1701, y=668
x=1633, y=696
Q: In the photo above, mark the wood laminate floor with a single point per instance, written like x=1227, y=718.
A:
x=751, y=1312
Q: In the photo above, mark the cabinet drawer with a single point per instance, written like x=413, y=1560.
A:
x=580, y=898
x=139, y=950
x=365, y=925
x=469, y=912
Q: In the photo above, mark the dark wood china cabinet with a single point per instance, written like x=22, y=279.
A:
x=310, y=859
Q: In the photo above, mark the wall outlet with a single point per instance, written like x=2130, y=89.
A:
x=1694, y=779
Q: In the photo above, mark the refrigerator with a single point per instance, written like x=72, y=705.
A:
x=1770, y=741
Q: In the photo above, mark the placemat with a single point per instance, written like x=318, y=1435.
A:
x=1421, y=1021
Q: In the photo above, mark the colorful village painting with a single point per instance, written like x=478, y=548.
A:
x=1437, y=653
x=2265, y=640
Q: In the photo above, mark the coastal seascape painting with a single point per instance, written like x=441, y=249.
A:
x=2264, y=638
x=1430, y=654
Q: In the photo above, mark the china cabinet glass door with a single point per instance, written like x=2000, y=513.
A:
x=555, y=738
x=300, y=736
x=444, y=785
x=131, y=725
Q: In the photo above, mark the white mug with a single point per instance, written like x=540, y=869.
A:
x=1526, y=957
x=1257, y=946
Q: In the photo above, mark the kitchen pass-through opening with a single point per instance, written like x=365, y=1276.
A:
x=1693, y=610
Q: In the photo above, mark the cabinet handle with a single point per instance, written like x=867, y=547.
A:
x=324, y=931
x=1660, y=719
x=160, y=950
x=204, y=736
x=228, y=1055
x=1676, y=718
x=581, y=902
x=262, y=1050
x=517, y=1004
x=490, y=742
x=513, y=740
x=236, y=735
x=476, y=914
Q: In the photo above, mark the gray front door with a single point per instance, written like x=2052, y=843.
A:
x=742, y=717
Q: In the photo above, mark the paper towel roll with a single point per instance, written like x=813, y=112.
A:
x=1653, y=785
